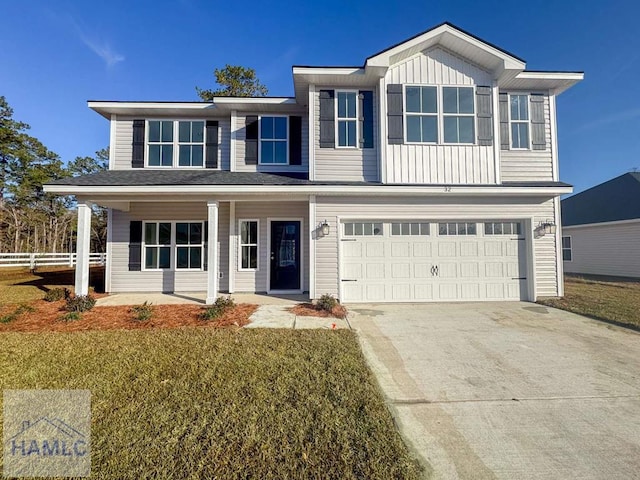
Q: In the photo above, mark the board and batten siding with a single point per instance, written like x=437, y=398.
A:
x=529, y=165
x=442, y=164
x=241, y=132
x=124, y=140
x=348, y=164
x=606, y=249
x=432, y=209
x=122, y=280
x=256, y=280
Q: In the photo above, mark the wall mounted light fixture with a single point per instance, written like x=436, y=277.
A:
x=546, y=228
x=325, y=228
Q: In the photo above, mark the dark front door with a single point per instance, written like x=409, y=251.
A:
x=285, y=255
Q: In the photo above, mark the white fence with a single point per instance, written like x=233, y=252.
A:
x=33, y=260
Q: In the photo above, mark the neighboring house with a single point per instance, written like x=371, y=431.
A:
x=601, y=229
x=423, y=175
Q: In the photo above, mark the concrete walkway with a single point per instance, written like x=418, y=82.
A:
x=508, y=390
x=277, y=316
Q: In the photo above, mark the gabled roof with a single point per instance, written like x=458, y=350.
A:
x=611, y=201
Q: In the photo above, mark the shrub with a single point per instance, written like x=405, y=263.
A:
x=9, y=317
x=142, y=312
x=220, y=306
x=71, y=316
x=80, y=303
x=22, y=308
x=56, y=294
x=327, y=303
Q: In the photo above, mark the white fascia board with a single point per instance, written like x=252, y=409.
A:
x=601, y=224
x=308, y=189
x=328, y=71
x=255, y=100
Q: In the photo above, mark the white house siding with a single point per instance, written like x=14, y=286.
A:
x=433, y=208
x=124, y=139
x=606, y=249
x=349, y=164
x=529, y=165
x=241, y=132
x=256, y=281
x=122, y=280
x=450, y=164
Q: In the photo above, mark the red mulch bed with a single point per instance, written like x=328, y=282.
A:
x=47, y=317
x=311, y=310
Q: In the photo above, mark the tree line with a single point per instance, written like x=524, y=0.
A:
x=30, y=219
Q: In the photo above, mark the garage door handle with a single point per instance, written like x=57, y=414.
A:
x=434, y=270
x=348, y=239
x=518, y=278
x=348, y=280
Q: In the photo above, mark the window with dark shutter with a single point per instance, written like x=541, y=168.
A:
x=485, y=114
x=538, y=141
x=295, y=140
x=504, y=120
x=212, y=144
x=395, y=127
x=327, y=119
x=251, y=141
x=366, y=112
x=135, y=246
x=137, y=152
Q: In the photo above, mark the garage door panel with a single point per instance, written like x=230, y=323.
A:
x=429, y=264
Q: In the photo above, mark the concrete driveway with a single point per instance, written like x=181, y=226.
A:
x=508, y=390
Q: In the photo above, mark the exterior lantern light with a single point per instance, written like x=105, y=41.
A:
x=546, y=228
x=325, y=228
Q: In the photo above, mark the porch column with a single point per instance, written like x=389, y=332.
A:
x=83, y=245
x=212, y=252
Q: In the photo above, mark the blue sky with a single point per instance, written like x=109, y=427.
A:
x=54, y=56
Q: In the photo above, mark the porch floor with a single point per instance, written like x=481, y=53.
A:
x=117, y=299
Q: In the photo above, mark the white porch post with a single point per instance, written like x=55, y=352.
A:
x=83, y=245
x=212, y=252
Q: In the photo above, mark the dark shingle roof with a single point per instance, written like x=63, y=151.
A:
x=617, y=199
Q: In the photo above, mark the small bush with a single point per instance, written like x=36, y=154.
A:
x=71, y=316
x=22, y=308
x=220, y=306
x=142, y=312
x=56, y=294
x=9, y=317
x=327, y=303
x=80, y=303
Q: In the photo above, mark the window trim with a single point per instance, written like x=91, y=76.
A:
x=202, y=245
x=338, y=119
x=570, y=249
x=173, y=247
x=240, y=245
x=457, y=233
x=511, y=121
x=155, y=245
x=440, y=115
x=286, y=141
x=176, y=143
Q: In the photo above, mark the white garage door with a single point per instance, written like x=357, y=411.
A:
x=418, y=260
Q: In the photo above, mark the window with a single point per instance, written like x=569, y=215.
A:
x=347, y=119
x=519, y=112
x=273, y=140
x=502, y=228
x=422, y=114
x=191, y=144
x=459, y=228
x=363, y=229
x=189, y=245
x=157, y=245
x=173, y=143
x=567, y=254
x=249, y=244
x=160, y=144
x=409, y=229
x=458, y=114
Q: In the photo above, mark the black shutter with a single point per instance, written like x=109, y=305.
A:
x=504, y=121
x=367, y=118
x=212, y=144
x=135, y=246
x=251, y=141
x=395, y=125
x=538, y=141
x=485, y=116
x=206, y=249
x=295, y=140
x=327, y=119
x=137, y=152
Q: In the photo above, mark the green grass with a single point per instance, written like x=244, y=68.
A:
x=614, y=301
x=224, y=404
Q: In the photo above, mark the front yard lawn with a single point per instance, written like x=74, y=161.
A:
x=229, y=403
x=617, y=301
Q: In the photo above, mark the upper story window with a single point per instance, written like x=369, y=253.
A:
x=347, y=119
x=273, y=140
x=458, y=114
x=519, y=117
x=422, y=114
x=175, y=143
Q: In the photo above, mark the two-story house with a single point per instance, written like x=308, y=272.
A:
x=430, y=173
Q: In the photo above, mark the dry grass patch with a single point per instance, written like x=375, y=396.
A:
x=614, y=301
x=311, y=310
x=226, y=404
